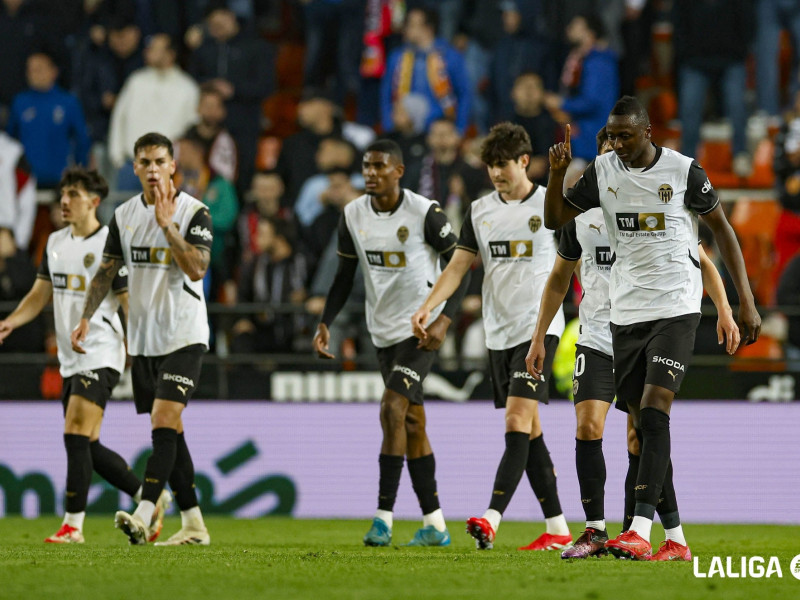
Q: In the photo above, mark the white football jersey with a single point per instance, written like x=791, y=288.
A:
x=518, y=254
x=586, y=239
x=399, y=255
x=651, y=216
x=69, y=263
x=166, y=309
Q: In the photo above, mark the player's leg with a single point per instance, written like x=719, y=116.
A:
x=634, y=450
x=80, y=419
x=519, y=415
x=422, y=470
x=539, y=466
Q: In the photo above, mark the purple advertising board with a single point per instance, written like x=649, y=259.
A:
x=733, y=460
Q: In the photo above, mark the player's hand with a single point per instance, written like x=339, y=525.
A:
x=418, y=321
x=165, y=203
x=534, y=361
x=321, y=340
x=561, y=153
x=435, y=334
x=728, y=331
x=750, y=322
x=5, y=329
x=78, y=336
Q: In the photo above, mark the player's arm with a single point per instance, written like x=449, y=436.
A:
x=192, y=253
x=28, y=308
x=702, y=198
x=101, y=283
x=557, y=210
x=727, y=330
x=449, y=281
x=340, y=289
x=120, y=288
x=555, y=290
x=440, y=236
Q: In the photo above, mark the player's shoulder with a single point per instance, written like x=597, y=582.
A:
x=486, y=201
x=418, y=202
x=672, y=157
x=359, y=204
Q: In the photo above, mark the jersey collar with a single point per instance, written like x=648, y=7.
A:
x=99, y=227
x=396, y=206
x=528, y=195
x=652, y=163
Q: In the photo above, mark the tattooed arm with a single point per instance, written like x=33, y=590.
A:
x=101, y=283
x=193, y=260
x=193, y=253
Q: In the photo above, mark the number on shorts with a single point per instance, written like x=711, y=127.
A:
x=580, y=365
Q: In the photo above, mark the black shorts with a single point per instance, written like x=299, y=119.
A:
x=95, y=386
x=173, y=376
x=404, y=367
x=593, y=377
x=653, y=352
x=510, y=376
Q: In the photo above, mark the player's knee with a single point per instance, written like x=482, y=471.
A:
x=167, y=420
x=589, y=430
x=393, y=413
x=633, y=444
x=415, y=428
x=518, y=422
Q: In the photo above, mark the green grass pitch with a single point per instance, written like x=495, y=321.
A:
x=294, y=559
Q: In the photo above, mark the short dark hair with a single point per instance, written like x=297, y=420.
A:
x=601, y=138
x=88, y=179
x=595, y=24
x=387, y=146
x=506, y=141
x=209, y=88
x=431, y=17
x=282, y=228
x=153, y=139
x=628, y=106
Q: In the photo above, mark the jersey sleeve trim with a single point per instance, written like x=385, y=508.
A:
x=571, y=203
x=710, y=209
x=569, y=258
x=467, y=248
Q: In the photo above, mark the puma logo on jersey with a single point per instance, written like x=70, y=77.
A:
x=182, y=389
x=593, y=226
x=489, y=225
x=674, y=375
x=533, y=385
x=614, y=191
x=86, y=383
x=407, y=382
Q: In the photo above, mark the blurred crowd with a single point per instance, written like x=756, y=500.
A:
x=271, y=102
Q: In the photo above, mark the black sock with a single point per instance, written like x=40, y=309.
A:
x=668, y=503
x=653, y=461
x=542, y=476
x=630, y=493
x=391, y=468
x=509, y=472
x=181, y=480
x=79, y=472
x=160, y=464
x=591, y=466
x=113, y=468
x=423, y=478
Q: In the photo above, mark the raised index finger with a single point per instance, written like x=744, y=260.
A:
x=566, y=138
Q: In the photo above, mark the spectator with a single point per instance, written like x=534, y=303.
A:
x=334, y=29
x=787, y=181
x=99, y=79
x=590, y=87
x=318, y=119
x=445, y=176
x=263, y=200
x=22, y=30
x=241, y=67
x=159, y=97
x=49, y=122
x=17, y=191
x=332, y=153
x=275, y=276
x=788, y=296
x=430, y=67
x=409, y=116
x=707, y=54
x=520, y=49
x=198, y=180
x=218, y=144
x=529, y=112
x=771, y=17
x=17, y=275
